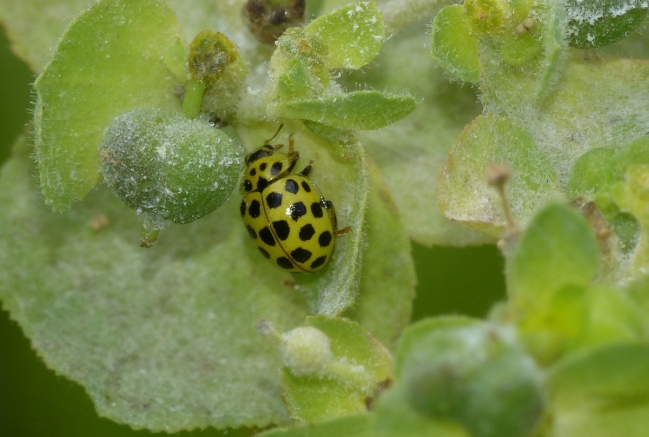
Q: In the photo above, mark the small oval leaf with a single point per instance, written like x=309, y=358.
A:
x=453, y=44
x=363, y=110
x=354, y=34
x=464, y=195
x=556, y=249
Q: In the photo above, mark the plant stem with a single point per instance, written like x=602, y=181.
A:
x=193, y=99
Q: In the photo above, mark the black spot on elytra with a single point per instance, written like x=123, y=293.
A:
x=306, y=186
x=262, y=183
x=284, y=262
x=274, y=200
x=254, y=209
x=247, y=185
x=252, y=232
x=267, y=236
x=262, y=166
x=263, y=252
x=301, y=255
x=291, y=186
x=325, y=239
x=282, y=229
x=306, y=232
x=253, y=172
x=297, y=210
x=276, y=168
x=318, y=262
x=242, y=208
x=316, y=209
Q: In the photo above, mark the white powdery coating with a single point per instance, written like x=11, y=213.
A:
x=590, y=12
x=306, y=351
x=169, y=166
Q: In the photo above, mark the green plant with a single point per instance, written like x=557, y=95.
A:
x=139, y=135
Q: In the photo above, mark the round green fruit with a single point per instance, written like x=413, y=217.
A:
x=168, y=166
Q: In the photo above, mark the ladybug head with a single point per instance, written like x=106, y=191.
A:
x=265, y=150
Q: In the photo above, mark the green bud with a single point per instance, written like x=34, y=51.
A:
x=306, y=351
x=478, y=376
x=167, y=166
x=210, y=53
x=218, y=71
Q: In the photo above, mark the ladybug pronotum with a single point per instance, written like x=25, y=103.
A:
x=293, y=226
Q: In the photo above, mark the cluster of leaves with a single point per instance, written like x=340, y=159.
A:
x=198, y=331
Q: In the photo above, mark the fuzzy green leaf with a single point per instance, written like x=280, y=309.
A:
x=110, y=60
x=601, y=22
x=463, y=191
x=353, y=34
x=556, y=249
x=453, y=44
x=605, y=166
x=297, y=68
x=598, y=176
x=591, y=172
x=355, y=110
x=577, y=317
x=576, y=118
x=415, y=334
x=634, y=46
x=603, y=392
x=520, y=49
x=163, y=338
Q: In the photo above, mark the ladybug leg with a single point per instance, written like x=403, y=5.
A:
x=293, y=155
x=307, y=170
x=326, y=204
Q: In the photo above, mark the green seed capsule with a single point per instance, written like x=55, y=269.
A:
x=478, y=376
x=168, y=166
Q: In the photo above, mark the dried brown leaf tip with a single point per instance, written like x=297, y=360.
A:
x=268, y=19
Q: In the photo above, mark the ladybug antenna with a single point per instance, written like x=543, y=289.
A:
x=276, y=133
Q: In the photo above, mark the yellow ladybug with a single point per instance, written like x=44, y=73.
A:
x=291, y=223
